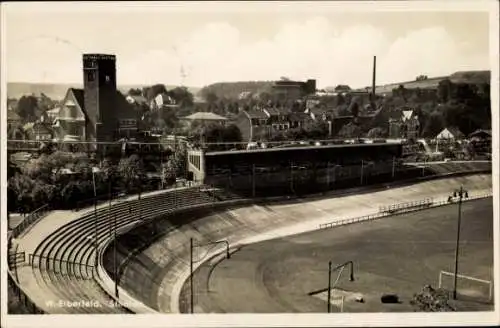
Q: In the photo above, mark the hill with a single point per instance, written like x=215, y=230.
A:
x=58, y=90
x=469, y=77
x=233, y=89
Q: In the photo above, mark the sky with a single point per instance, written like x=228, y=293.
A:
x=198, y=45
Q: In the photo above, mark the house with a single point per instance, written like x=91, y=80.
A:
x=192, y=121
x=405, y=124
x=481, y=135
x=52, y=114
x=38, y=131
x=277, y=118
x=450, y=134
x=137, y=99
x=14, y=126
x=298, y=119
x=161, y=101
x=12, y=104
x=13, y=119
x=259, y=124
x=320, y=114
x=253, y=125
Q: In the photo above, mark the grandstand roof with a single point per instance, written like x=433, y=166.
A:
x=205, y=116
x=298, y=147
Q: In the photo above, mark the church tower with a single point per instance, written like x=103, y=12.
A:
x=99, y=85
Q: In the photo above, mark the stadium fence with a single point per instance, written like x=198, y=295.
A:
x=403, y=208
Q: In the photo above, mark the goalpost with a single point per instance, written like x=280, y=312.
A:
x=466, y=285
x=338, y=302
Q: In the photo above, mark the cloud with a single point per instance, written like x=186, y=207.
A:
x=315, y=48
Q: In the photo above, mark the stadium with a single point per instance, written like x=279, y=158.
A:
x=257, y=232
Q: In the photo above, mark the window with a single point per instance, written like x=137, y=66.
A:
x=107, y=78
x=91, y=76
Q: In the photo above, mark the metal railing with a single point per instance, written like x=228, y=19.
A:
x=387, y=213
x=424, y=203
x=22, y=297
x=60, y=266
x=30, y=220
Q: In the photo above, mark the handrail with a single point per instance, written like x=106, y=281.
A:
x=30, y=220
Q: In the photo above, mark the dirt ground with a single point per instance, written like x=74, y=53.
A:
x=397, y=255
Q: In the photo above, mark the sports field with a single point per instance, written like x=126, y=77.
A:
x=399, y=254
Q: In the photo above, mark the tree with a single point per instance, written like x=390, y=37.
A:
x=316, y=130
x=27, y=107
x=153, y=91
x=135, y=92
x=182, y=96
x=350, y=130
x=169, y=172
x=211, y=97
x=432, y=300
x=19, y=190
x=434, y=124
x=444, y=90
x=342, y=88
x=131, y=172
x=376, y=133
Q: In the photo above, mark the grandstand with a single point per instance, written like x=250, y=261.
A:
x=290, y=170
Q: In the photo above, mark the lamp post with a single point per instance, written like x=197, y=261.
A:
x=253, y=180
x=191, y=262
x=94, y=170
x=460, y=194
x=330, y=270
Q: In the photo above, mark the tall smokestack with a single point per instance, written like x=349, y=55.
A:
x=374, y=76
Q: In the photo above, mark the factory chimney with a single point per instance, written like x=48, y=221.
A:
x=374, y=76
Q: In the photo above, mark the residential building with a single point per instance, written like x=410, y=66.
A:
x=259, y=124
x=52, y=114
x=203, y=118
x=298, y=119
x=162, y=100
x=253, y=125
x=38, y=131
x=405, y=125
x=137, y=100
x=14, y=126
x=277, y=118
x=450, y=134
x=320, y=113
